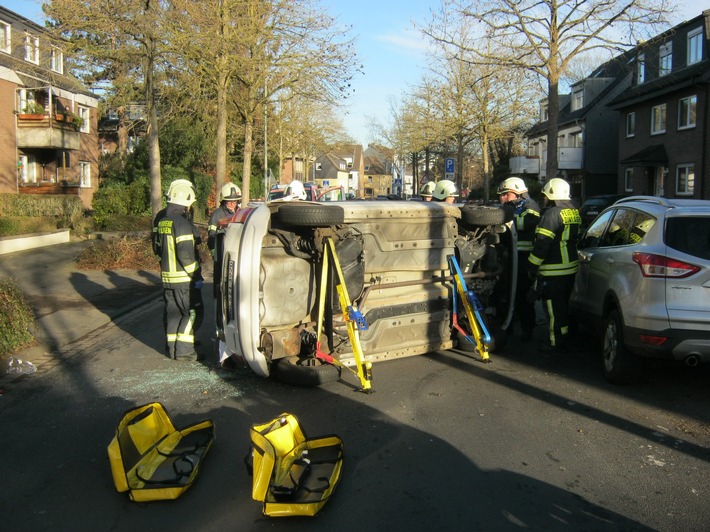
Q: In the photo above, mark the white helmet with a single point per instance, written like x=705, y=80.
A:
x=178, y=182
x=514, y=185
x=445, y=189
x=295, y=191
x=181, y=194
x=428, y=189
x=230, y=192
x=556, y=189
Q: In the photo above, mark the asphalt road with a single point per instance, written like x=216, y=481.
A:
x=444, y=443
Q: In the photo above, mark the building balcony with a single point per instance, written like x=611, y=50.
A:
x=45, y=131
x=569, y=158
x=525, y=165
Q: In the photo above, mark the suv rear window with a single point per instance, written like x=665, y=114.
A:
x=690, y=235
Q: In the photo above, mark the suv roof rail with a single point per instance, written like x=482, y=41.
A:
x=649, y=199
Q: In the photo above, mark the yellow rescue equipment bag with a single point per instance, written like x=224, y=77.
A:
x=293, y=475
x=153, y=460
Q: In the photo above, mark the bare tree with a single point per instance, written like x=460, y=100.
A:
x=112, y=36
x=287, y=44
x=544, y=36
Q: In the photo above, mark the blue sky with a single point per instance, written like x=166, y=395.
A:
x=390, y=49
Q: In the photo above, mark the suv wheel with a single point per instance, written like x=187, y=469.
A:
x=620, y=365
x=301, y=215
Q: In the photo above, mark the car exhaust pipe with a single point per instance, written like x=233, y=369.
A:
x=692, y=361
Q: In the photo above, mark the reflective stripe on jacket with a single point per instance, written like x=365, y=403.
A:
x=527, y=216
x=555, y=247
x=174, y=242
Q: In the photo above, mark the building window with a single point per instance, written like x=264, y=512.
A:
x=686, y=112
x=578, y=100
x=84, y=174
x=665, y=63
x=85, y=119
x=5, y=37
x=32, y=49
x=57, y=61
x=543, y=112
x=685, y=180
x=631, y=124
x=695, y=46
x=641, y=69
x=658, y=119
x=628, y=180
x=27, y=169
x=576, y=140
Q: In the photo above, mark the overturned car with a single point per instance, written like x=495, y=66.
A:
x=295, y=279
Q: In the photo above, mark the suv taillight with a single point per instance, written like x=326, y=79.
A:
x=660, y=266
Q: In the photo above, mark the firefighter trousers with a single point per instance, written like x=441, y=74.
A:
x=180, y=338
x=555, y=296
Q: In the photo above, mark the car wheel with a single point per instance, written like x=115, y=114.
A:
x=620, y=365
x=308, y=371
x=311, y=215
x=483, y=216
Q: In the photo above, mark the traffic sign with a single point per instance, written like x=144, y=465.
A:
x=449, y=167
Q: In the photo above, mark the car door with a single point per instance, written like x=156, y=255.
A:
x=588, y=246
x=688, y=239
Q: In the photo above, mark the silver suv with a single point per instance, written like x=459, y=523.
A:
x=644, y=283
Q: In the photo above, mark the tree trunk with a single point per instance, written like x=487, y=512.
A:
x=553, y=111
x=221, y=139
x=248, y=150
x=156, y=193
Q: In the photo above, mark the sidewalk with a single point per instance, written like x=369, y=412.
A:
x=70, y=303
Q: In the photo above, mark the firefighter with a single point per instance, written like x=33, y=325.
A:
x=428, y=190
x=446, y=191
x=552, y=264
x=174, y=242
x=526, y=214
x=229, y=198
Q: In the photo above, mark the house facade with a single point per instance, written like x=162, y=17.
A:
x=48, y=119
x=663, y=135
x=638, y=124
x=587, y=149
x=381, y=175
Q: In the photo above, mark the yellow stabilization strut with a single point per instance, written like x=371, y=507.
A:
x=352, y=316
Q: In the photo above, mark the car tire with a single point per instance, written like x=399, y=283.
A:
x=477, y=215
x=308, y=371
x=307, y=215
x=620, y=366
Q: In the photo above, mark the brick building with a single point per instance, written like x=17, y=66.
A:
x=48, y=119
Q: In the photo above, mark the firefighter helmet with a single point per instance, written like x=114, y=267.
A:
x=514, y=185
x=295, y=191
x=181, y=194
x=428, y=189
x=230, y=192
x=178, y=182
x=445, y=189
x=556, y=189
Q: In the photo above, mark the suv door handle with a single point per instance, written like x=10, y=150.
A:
x=609, y=260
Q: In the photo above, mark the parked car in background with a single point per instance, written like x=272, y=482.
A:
x=394, y=259
x=644, y=283
x=593, y=205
